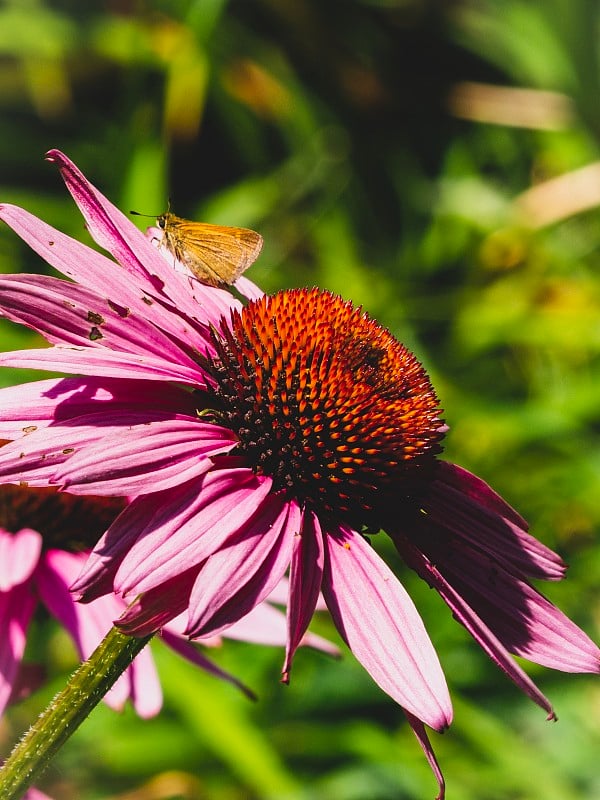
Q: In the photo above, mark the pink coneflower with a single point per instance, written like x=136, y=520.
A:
x=261, y=440
x=35, y=567
x=44, y=543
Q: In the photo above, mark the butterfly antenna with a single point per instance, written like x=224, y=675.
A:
x=139, y=214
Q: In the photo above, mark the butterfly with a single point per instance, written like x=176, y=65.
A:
x=215, y=254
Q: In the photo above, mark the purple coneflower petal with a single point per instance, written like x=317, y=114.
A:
x=281, y=593
x=35, y=794
x=110, y=228
x=35, y=458
x=524, y=621
x=19, y=555
x=484, y=559
x=138, y=520
x=99, y=361
x=28, y=406
x=378, y=620
x=32, y=459
x=423, y=739
x=265, y=624
x=148, y=458
x=186, y=528
x=249, y=289
x=317, y=642
x=108, y=279
x=142, y=686
x=467, y=617
x=16, y=609
x=244, y=572
x=72, y=258
x=479, y=491
x=98, y=573
x=306, y=574
x=152, y=610
x=68, y=314
x=87, y=625
x=117, y=234
x=481, y=528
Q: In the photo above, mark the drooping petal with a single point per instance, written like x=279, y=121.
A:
x=148, y=458
x=479, y=491
x=317, y=642
x=470, y=558
x=244, y=572
x=306, y=573
x=461, y=514
x=266, y=625
x=525, y=621
x=468, y=617
x=35, y=794
x=97, y=576
x=423, y=739
x=383, y=629
x=189, y=526
x=280, y=593
x=30, y=677
x=87, y=624
x=142, y=685
x=19, y=556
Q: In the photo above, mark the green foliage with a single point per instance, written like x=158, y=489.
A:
x=363, y=141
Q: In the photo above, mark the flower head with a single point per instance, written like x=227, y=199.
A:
x=261, y=440
x=326, y=403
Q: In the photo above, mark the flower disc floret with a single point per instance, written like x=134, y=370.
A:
x=326, y=402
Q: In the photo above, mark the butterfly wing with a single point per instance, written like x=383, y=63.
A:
x=216, y=254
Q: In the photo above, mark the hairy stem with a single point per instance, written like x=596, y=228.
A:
x=87, y=686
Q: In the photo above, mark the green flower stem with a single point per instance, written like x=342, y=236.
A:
x=67, y=711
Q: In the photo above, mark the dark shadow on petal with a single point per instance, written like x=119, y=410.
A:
x=470, y=545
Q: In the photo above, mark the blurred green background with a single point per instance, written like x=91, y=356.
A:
x=436, y=162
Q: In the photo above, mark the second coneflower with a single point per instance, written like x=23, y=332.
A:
x=263, y=440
